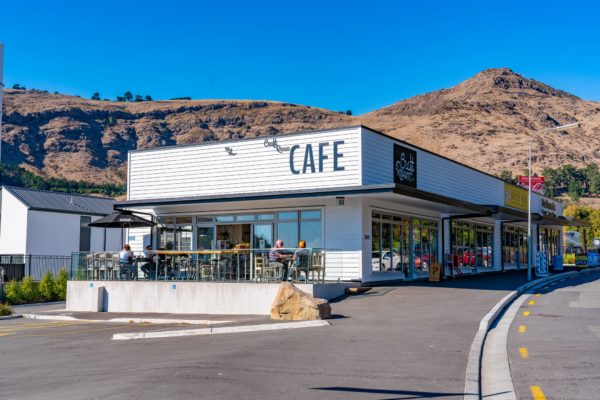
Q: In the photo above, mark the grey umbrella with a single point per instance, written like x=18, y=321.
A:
x=123, y=220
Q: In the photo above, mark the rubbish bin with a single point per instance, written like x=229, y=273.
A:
x=435, y=272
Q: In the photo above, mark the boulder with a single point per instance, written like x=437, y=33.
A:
x=292, y=304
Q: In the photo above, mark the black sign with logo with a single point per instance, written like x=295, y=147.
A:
x=405, y=166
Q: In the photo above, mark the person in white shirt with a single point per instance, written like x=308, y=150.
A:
x=147, y=266
x=126, y=260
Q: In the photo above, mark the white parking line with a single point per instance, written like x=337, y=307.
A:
x=219, y=330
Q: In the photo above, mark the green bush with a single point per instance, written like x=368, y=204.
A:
x=46, y=287
x=5, y=310
x=29, y=290
x=12, y=292
x=60, y=284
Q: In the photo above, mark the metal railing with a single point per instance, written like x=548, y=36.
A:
x=240, y=265
x=18, y=266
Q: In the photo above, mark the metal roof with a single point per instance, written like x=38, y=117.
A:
x=61, y=202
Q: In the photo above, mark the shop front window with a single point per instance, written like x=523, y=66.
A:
x=391, y=243
x=472, y=245
x=514, y=246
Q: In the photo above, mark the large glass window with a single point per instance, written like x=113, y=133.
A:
x=514, y=245
x=549, y=241
x=472, y=245
x=205, y=238
x=391, y=243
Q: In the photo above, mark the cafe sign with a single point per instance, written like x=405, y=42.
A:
x=405, y=166
x=548, y=207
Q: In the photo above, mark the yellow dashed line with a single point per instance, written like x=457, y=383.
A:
x=524, y=352
x=537, y=295
x=522, y=328
x=77, y=331
x=40, y=326
x=537, y=393
x=526, y=314
x=531, y=302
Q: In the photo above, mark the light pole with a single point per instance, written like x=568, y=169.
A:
x=533, y=137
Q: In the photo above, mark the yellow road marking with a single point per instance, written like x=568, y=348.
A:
x=526, y=314
x=522, y=329
x=524, y=352
x=531, y=302
x=537, y=295
x=537, y=393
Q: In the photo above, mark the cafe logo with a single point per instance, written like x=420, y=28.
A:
x=229, y=151
x=273, y=143
x=405, y=166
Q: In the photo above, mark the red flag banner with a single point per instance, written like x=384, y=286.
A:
x=537, y=183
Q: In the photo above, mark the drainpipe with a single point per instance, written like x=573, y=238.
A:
x=444, y=219
x=502, y=246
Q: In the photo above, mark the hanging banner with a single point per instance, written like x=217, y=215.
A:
x=537, y=183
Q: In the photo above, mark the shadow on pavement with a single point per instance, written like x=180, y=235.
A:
x=404, y=393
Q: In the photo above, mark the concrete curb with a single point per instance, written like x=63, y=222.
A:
x=473, y=372
x=501, y=384
x=126, y=320
x=216, y=331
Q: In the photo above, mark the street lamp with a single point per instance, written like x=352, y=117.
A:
x=533, y=137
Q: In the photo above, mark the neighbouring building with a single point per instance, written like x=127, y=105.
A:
x=383, y=209
x=40, y=222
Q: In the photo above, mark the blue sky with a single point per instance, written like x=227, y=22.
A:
x=333, y=54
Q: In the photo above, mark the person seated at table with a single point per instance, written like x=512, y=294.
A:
x=149, y=255
x=126, y=260
x=300, y=259
x=279, y=260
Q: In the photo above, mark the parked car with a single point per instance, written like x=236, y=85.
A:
x=389, y=260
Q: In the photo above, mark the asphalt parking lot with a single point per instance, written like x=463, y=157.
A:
x=395, y=342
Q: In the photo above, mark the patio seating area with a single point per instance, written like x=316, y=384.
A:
x=245, y=265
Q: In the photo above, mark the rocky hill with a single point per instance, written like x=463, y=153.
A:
x=484, y=122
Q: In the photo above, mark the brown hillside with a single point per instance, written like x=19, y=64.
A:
x=484, y=122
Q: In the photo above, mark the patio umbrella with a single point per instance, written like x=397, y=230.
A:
x=122, y=220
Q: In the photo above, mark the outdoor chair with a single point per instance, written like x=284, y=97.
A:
x=318, y=266
x=91, y=265
x=259, y=267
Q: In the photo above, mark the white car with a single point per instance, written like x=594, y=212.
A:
x=389, y=261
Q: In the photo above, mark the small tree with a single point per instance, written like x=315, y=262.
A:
x=120, y=98
x=46, y=287
x=595, y=185
x=128, y=96
x=348, y=112
x=138, y=98
x=60, y=284
x=29, y=290
x=18, y=87
x=575, y=190
x=148, y=98
x=95, y=96
x=12, y=291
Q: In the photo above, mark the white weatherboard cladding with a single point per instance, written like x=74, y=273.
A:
x=435, y=174
x=206, y=170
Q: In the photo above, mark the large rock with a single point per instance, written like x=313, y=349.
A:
x=292, y=304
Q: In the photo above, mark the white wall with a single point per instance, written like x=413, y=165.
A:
x=13, y=225
x=435, y=174
x=207, y=169
x=51, y=233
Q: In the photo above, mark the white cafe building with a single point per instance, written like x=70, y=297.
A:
x=381, y=208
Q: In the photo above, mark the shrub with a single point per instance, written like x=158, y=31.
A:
x=29, y=290
x=60, y=284
x=46, y=287
x=12, y=292
x=5, y=310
